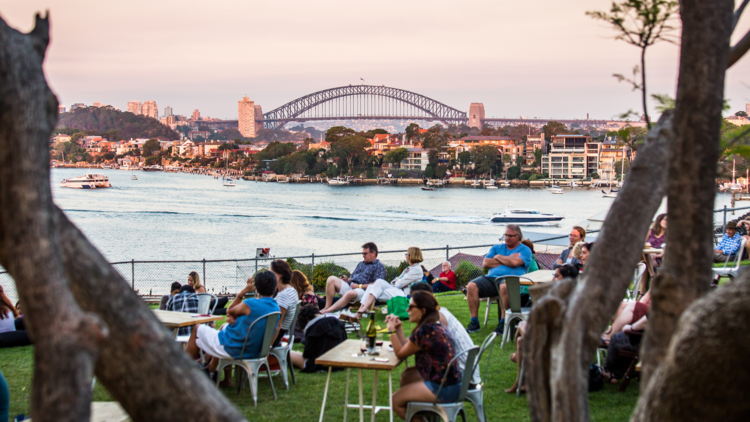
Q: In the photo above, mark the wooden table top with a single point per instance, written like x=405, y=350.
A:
x=106, y=411
x=652, y=250
x=540, y=276
x=173, y=319
x=341, y=356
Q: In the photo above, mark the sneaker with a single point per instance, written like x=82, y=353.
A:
x=500, y=327
x=473, y=327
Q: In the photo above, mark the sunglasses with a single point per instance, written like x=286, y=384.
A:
x=410, y=307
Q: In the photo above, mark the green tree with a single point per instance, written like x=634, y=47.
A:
x=412, y=132
x=553, y=129
x=464, y=158
x=741, y=113
x=151, y=148
x=337, y=132
x=484, y=158
x=396, y=156
x=538, y=159
x=640, y=23
x=523, y=176
x=513, y=172
x=349, y=148
x=440, y=171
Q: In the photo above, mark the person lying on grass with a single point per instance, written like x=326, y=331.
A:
x=433, y=349
x=228, y=342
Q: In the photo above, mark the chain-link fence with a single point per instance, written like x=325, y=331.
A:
x=151, y=279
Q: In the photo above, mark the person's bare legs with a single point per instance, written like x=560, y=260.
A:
x=367, y=305
x=416, y=391
x=345, y=300
x=410, y=376
x=625, y=317
x=333, y=286
x=191, y=348
x=472, y=296
x=297, y=359
x=518, y=356
x=505, y=300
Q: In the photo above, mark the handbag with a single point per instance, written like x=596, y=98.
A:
x=398, y=306
x=596, y=381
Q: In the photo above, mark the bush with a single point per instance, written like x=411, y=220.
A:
x=325, y=270
x=535, y=177
x=524, y=176
x=393, y=272
x=594, y=175
x=401, y=174
x=465, y=272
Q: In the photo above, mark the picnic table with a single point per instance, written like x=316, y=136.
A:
x=347, y=355
x=177, y=320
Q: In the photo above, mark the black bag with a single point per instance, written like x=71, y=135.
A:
x=596, y=381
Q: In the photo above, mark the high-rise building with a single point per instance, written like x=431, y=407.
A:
x=61, y=109
x=134, y=107
x=246, y=116
x=168, y=111
x=77, y=105
x=150, y=109
x=196, y=115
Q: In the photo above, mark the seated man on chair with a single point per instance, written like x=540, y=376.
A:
x=509, y=258
x=729, y=244
x=352, y=289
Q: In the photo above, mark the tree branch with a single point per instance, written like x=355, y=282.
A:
x=739, y=50
x=738, y=13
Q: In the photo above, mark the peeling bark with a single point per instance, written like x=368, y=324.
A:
x=69, y=291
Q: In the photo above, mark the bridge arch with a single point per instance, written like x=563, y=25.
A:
x=425, y=107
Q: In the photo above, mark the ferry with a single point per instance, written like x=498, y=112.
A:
x=524, y=216
x=87, y=181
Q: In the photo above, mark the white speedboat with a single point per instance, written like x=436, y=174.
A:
x=573, y=184
x=339, y=181
x=505, y=184
x=524, y=216
x=556, y=190
x=87, y=181
x=229, y=182
x=610, y=194
x=490, y=187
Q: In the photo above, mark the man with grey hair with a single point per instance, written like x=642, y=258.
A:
x=509, y=258
x=446, y=282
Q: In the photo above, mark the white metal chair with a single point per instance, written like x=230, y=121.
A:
x=448, y=411
x=282, y=352
x=476, y=396
x=252, y=366
x=640, y=271
x=731, y=271
x=204, y=308
x=513, y=284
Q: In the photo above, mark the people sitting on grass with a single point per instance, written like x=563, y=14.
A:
x=628, y=314
x=446, y=282
x=184, y=301
x=457, y=332
x=305, y=290
x=352, y=289
x=586, y=249
x=432, y=347
x=321, y=334
x=229, y=342
x=509, y=258
x=628, y=340
x=577, y=234
x=428, y=277
x=286, y=297
x=399, y=286
x=729, y=244
x=173, y=290
x=9, y=335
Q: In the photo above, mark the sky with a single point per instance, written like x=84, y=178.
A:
x=533, y=58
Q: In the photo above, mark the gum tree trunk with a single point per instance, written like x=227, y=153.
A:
x=77, y=306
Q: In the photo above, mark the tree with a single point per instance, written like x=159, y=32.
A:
x=513, y=172
x=538, y=159
x=349, y=148
x=204, y=128
x=618, y=167
x=396, y=156
x=464, y=158
x=337, y=132
x=741, y=113
x=412, y=132
x=553, y=129
x=83, y=316
x=440, y=171
x=484, y=158
x=151, y=148
x=506, y=158
x=641, y=23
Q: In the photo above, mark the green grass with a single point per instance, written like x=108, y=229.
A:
x=302, y=401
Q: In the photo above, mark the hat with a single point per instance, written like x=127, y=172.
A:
x=732, y=225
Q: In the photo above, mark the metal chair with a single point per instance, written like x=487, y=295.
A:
x=513, y=284
x=252, y=366
x=640, y=271
x=282, y=352
x=732, y=270
x=476, y=396
x=447, y=411
x=204, y=308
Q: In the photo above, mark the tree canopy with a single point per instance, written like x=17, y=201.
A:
x=275, y=150
x=107, y=119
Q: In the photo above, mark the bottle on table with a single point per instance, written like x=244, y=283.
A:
x=371, y=333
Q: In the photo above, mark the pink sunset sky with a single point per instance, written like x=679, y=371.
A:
x=536, y=58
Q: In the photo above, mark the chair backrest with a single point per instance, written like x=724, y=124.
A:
x=272, y=319
x=513, y=284
x=488, y=343
x=204, y=303
x=640, y=269
x=471, y=356
x=293, y=325
x=737, y=256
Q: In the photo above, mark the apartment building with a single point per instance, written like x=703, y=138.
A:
x=417, y=159
x=533, y=143
x=611, y=153
x=150, y=109
x=571, y=157
x=134, y=107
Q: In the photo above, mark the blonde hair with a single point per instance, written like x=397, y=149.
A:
x=578, y=249
x=196, y=280
x=415, y=255
x=300, y=283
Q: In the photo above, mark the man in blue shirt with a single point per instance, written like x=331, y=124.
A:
x=729, y=244
x=352, y=289
x=509, y=258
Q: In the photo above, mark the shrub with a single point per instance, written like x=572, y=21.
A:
x=524, y=176
x=393, y=272
x=323, y=271
x=465, y=272
x=401, y=174
x=535, y=177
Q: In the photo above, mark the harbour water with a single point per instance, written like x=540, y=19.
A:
x=177, y=216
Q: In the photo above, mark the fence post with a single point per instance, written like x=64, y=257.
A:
x=725, y=219
x=312, y=267
x=204, y=273
x=132, y=274
x=447, y=252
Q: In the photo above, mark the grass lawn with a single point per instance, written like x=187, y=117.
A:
x=302, y=401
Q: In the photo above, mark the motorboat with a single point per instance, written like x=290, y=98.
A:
x=610, y=194
x=524, y=216
x=339, y=181
x=428, y=188
x=573, y=184
x=490, y=186
x=155, y=167
x=556, y=190
x=229, y=182
x=87, y=181
x=284, y=180
x=476, y=184
x=106, y=166
x=505, y=184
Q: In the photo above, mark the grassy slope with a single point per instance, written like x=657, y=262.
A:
x=303, y=400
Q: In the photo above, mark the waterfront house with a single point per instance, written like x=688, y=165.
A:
x=572, y=157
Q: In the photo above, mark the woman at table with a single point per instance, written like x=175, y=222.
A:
x=432, y=347
x=286, y=297
x=655, y=239
x=446, y=282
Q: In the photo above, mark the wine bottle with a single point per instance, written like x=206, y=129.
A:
x=371, y=333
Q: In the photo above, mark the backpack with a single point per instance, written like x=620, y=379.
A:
x=596, y=381
x=398, y=306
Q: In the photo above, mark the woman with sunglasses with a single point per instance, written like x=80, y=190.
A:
x=432, y=347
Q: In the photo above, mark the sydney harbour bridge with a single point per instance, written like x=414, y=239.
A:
x=370, y=102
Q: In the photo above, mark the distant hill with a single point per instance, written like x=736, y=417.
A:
x=100, y=120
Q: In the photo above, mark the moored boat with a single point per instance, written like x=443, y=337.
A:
x=87, y=181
